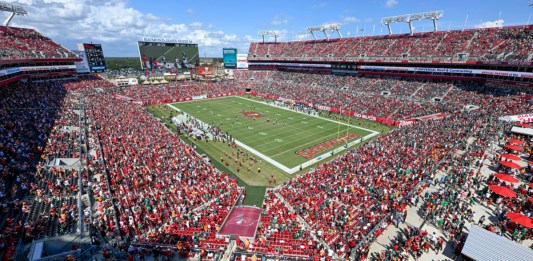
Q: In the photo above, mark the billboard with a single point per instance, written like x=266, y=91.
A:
x=158, y=53
x=242, y=61
x=95, y=57
x=83, y=65
x=229, y=56
x=206, y=71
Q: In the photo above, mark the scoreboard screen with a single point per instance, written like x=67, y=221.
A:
x=168, y=55
x=229, y=56
x=95, y=57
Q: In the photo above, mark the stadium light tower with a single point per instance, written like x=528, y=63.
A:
x=324, y=29
x=334, y=27
x=409, y=18
x=274, y=33
x=13, y=9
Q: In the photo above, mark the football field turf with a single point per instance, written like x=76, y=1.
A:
x=284, y=138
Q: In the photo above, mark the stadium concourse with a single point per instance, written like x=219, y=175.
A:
x=146, y=194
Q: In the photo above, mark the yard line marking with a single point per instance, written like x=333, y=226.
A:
x=262, y=134
x=301, y=137
x=279, y=140
x=326, y=119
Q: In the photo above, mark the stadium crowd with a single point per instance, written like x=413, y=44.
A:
x=22, y=43
x=485, y=44
x=146, y=187
x=389, y=98
x=40, y=126
x=350, y=196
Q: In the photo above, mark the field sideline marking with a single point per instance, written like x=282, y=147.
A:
x=304, y=164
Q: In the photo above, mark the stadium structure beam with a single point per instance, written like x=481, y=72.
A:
x=13, y=9
x=409, y=18
x=325, y=33
x=274, y=33
x=312, y=33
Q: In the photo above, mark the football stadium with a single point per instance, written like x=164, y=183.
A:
x=127, y=135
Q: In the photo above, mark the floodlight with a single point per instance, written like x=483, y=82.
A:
x=13, y=9
x=267, y=32
x=409, y=18
x=324, y=28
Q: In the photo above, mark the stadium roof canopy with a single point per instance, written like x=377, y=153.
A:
x=482, y=244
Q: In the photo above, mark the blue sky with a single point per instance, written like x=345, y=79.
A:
x=118, y=24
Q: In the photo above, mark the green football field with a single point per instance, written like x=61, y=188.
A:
x=276, y=134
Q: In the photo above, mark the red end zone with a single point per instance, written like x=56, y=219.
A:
x=242, y=221
x=309, y=153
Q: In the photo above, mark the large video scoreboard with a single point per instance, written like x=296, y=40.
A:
x=229, y=56
x=95, y=57
x=158, y=53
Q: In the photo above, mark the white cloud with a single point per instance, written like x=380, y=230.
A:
x=301, y=37
x=249, y=38
x=280, y=20
x=350, y=19
x=190, y=11
x=320, y=5
x=391, y=3
x=488, y=24
x=115, y=25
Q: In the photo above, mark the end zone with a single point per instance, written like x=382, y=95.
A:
x=242, y=222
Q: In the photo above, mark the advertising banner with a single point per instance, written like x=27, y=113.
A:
x=449, y=70
x=242, y=61
x=522, y=118
x=83, y=65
